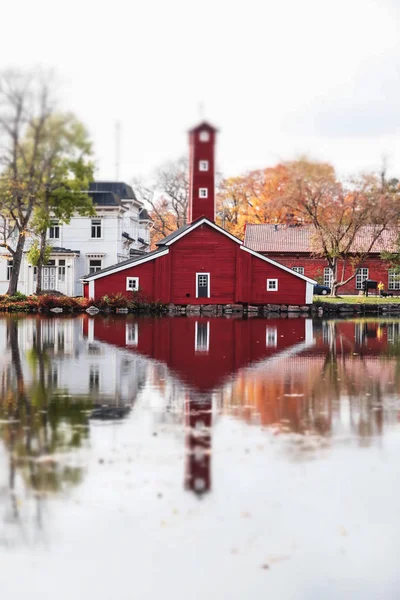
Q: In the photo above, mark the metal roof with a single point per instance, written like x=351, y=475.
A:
x=125, y=263
x=119, y=188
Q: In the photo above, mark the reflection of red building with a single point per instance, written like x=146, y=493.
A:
x=203, y=353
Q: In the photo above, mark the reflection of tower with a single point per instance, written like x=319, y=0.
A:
x=198, y=418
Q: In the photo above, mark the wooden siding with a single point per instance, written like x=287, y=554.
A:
x=291, y=289
x=201, y=207
x=203, y=250
x=235, y=275
x=314, y=268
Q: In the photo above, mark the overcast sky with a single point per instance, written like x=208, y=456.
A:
x=279, y=78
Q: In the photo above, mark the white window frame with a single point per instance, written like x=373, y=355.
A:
x=328, y=276
x=199, y=346
x=208, y=286
x=271, y=337
x=361, y=275
x=203, y=165
x=271, y=282
x=95, y=267
x=97, y=222
x=54, y=230
x=136, y=284
x=203, y=193
x=393, y=280
x=62, y=269
x=131, y=334
x=298, y=270
x=204, y=136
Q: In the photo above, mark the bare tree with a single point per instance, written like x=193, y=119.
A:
x=167, y=195
x=26, y=104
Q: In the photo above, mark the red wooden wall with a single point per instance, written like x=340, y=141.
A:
x=235, y=275
x=198, y=150
x=314, y=268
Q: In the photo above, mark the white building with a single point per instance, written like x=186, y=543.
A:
x=120, y=230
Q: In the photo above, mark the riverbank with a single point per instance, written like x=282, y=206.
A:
x=350, y=305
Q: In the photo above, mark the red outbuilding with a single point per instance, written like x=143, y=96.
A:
x=201, y=263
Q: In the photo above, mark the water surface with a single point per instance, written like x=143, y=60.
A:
x=203, y=458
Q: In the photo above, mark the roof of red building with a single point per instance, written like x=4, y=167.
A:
x=285, y=238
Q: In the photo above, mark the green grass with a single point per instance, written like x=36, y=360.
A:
x=356, y=300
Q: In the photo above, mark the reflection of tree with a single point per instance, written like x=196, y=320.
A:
x=38, y=424
x=338, y=386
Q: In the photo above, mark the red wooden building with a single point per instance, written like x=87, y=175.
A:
x=292, y=246
x=201, y=263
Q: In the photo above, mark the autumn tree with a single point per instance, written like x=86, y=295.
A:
x=67, y=172
x=347, y=219
x=252, y=198
x=35, y=167
x=167, y=195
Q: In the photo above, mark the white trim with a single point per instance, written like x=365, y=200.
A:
x=197, y=284
x=276, y=264
x=203, y=193
x=271, y=337
x=272, y=289
x=91, y=289
x=135, y=288
x=201, y=222
x=196, y=338
x=131, y=334
x=310, y=340
x=118, y=268
x=309, y=292
x=203, y=165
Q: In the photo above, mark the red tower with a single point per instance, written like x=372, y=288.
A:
x=201, y=172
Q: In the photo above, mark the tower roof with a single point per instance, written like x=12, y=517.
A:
x=203, y=125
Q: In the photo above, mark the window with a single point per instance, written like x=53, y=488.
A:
x=203, y=193
x=204, y=136
x=328, y=276
x=362, y=275
x=298, y=270
x=94, y=265
x=131, y=334
x=94, y=378
x=96, y=228
x=272, y=285
x=203, y=165
x=393, y=280
x=54, y=230
x=61, y=269
x=271, y=337
x=9, y=269
x=132, y=284
x=202, y=337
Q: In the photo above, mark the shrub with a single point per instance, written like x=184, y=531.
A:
x=114, y=301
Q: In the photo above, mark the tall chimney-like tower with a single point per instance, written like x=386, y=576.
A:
x=201, y=172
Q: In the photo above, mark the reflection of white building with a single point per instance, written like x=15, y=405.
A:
x=75, y=365
x=119, y=230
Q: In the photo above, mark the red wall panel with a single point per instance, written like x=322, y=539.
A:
x=208, y=251
x=314, y=268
